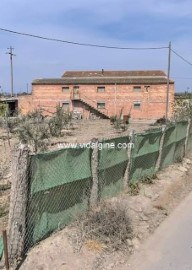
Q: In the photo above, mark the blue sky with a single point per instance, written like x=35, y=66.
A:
x=129, y=23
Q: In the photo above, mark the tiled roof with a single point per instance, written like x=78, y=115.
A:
x=108, y=77
x=106, y=73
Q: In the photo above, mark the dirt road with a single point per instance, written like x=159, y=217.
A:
x=171, y=245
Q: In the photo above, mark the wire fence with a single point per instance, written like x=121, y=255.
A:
x=55, y=188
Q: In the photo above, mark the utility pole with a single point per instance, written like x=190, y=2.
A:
x=11, y=61
x=168, y=78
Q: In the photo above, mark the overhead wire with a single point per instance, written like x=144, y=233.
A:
x=82, y=44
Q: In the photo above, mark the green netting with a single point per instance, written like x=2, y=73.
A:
x=112, y=165
x=1, y=247
x=60, y=181
x=144, y=155
x=168, y=151
x=174, y=142
x=60, y=186
x=60, y=167
x=181, y=131
x=189, y=143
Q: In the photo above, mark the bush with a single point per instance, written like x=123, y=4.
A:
x=35, y=130
x=109, y=225
x=183, y=108
x=58, y=122
x=119, y=123
x=33, y=135
x=3, y=109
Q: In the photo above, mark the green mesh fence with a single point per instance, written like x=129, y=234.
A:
x=59, y=191
x=144, y=155
x=113, y=161
x=181, y=131
x=174, y=143
x=168, y=151
x=1, y=247
x=189, y=143
x=60, y=182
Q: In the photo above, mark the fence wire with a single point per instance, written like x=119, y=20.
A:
x=60, y=183
x=145, y=155
x=113, y=160
x=58, y=192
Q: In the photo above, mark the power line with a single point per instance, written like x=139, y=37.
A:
x=181, y=57
x=81, y=44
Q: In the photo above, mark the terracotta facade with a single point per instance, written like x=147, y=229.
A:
x=142, y=100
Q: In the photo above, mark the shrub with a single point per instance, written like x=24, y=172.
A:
x=34, y=135
x=58, y=122
x=109, y=225
x=183, y=108
x=34, y=129
x=3, y=109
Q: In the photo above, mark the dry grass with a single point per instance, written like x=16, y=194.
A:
x=95, y=245
x=108, y=227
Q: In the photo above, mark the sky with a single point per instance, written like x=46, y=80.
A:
x=124, y=23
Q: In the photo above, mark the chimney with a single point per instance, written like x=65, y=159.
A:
x=102, y=71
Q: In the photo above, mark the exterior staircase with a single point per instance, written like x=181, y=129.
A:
x=91, y=104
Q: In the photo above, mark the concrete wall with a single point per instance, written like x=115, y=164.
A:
x=152, y=99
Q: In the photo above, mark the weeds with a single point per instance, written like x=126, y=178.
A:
x=134, y=189
x=106, y=228
x=148, y=179
x=3, y=211
x=118, y=121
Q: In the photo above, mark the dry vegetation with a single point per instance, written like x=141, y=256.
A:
x=106, y=228
x=183, y=108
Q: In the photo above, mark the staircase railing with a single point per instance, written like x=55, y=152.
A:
x=93, y=104
x=90, y=103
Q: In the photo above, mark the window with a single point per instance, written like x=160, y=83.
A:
x=76, y=87
x=65, y=89
x=137, y=105
x=65, y=106
x=100, y=105
x=137, y=88
x=101, y=89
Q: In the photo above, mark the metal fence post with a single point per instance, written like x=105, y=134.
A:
x=95, y=176
x=158, y=163
x=18, y=203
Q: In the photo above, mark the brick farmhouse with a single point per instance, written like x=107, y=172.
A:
x=142, y=94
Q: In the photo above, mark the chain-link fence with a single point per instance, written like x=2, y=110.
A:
x=59, y=189
x=144, y=155
x=189, y=141
x=62, y=185
x=1, y=246
x=113, y=160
